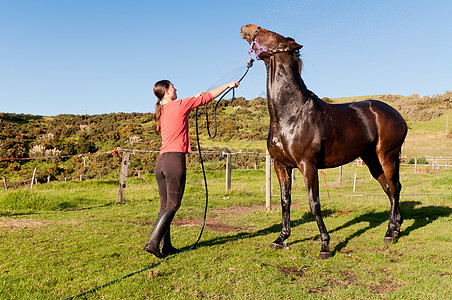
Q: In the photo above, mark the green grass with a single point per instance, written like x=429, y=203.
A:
x=429, y=137
x=65, y=238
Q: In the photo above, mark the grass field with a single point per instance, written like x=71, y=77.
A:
x=62, y=239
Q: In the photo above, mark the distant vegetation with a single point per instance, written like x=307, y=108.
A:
x=57, y=143
x=415, y=108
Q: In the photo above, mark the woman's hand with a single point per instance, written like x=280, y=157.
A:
x=233, y=84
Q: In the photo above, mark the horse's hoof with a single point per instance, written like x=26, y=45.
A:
x=276, y=246
x=325, y=255
x=389, y=240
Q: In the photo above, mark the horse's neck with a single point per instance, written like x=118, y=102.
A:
x=286, y=91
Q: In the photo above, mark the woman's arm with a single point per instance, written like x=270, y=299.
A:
x=201, y=98
x=217, y=92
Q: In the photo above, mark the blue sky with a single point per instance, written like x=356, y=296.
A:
x=98, y=56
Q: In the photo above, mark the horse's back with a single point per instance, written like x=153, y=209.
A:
x=373, y=112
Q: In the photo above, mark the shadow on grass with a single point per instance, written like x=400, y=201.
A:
x=274, y=229
x=88, y=207
x=61, y=207
x=422, y=217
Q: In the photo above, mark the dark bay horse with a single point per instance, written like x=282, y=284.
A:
x=309, y=134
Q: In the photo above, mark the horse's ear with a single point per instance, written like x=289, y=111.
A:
x=294, y=45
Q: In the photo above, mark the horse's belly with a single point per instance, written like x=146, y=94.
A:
x=343, y=153
x=333, y=162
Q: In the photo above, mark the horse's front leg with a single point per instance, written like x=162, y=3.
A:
x=312, y=185
x=285, y=182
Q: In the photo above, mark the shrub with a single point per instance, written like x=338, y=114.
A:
x=420, y=161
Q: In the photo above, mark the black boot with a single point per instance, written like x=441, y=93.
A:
x=160, y=228
x=167, y=248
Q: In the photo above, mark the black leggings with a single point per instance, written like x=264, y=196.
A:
x=170, y=172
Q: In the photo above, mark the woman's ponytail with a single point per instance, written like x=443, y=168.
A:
x=159, y=91
x=158, y=112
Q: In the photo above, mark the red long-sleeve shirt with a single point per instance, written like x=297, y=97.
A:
x=174, y=123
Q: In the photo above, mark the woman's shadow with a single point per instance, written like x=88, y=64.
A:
x=422, y=216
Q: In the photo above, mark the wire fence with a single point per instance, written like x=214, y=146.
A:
x=243, y=162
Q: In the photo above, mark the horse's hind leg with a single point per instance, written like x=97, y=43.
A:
x=390, y=164
x=285, y=182
x=387, y=174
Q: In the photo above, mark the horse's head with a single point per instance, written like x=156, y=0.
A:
x=266, y=43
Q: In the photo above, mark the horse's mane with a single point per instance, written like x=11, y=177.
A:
x=297, y=54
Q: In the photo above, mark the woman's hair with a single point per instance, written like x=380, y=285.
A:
x=159, y=91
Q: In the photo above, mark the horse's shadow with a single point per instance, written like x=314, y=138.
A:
x=274, y=229
x=422, y=217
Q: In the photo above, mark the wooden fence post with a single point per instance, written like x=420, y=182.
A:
x=33, y=178
x=268, y=182
x=340, y=174
x=228, y=171
x=123, y=177
x=5, y=183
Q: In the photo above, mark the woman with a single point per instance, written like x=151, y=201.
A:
x=171, y=121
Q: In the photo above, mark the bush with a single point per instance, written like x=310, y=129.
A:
x=420, y=161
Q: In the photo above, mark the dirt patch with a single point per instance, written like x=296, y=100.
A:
x=213, y=223
x=238, y=210
x=318, y=290
x=22, y=223
x=345, y=279
x=294, y=272
x=386, y=286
